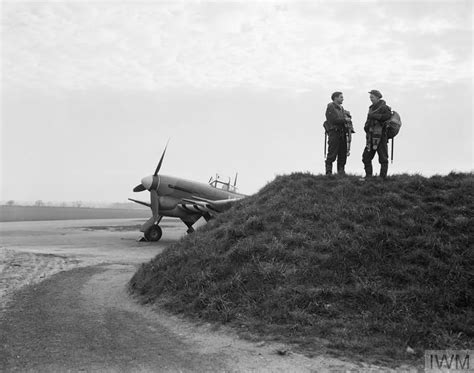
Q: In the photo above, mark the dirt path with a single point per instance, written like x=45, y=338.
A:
x=83, y=320
x=73, y=322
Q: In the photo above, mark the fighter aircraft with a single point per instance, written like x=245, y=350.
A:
x=184, y=199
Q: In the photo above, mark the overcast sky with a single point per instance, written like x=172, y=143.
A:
x=91, y=91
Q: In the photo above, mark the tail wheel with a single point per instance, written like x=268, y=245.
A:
x=153, y=233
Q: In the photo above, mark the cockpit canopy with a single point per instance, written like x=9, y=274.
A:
x=224, y=183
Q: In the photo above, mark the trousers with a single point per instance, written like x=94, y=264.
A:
x=337, y=149
x=382, y=151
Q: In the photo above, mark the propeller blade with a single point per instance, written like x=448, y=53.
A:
x=161, y=160
x=154, y=204
x=139, y=188
x=140, y=202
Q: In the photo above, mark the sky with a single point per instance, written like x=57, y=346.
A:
x=92, y=91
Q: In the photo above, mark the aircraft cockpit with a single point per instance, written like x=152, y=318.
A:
x=224, y=183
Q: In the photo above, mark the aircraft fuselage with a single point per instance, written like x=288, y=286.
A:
x=172, y=190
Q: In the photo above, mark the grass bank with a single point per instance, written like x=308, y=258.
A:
x=332, y=265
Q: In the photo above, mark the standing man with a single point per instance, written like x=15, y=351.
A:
x=376, y=134
x=335, y=126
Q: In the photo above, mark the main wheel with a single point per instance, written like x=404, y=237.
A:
x=153, y=233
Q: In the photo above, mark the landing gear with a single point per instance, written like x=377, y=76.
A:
x=190, y=226
x=153, y=233
x=196, y=221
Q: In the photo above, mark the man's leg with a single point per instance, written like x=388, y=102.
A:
x=333, y=145
x=342, y=154
x=382, y=152
x=367, y=157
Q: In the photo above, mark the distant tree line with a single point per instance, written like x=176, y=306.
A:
x=41, y=203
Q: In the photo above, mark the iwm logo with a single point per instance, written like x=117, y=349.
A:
x=451, y=361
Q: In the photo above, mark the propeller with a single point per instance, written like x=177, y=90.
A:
x=139, y=188
x=150, y=183
x=155, y=207
x=161, y=160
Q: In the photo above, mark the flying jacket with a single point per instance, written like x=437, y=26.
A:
x=335, y=119
x=378, y=114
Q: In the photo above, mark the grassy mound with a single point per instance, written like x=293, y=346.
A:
x=336, y=264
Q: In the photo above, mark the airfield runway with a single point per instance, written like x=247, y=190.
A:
x=64, y=307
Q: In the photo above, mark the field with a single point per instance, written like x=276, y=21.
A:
x=34, y=213
x=367, y=269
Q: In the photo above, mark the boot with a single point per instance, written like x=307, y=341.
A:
x=383, y=170
x=328, y=168
x=340, y=170
x=368, y=170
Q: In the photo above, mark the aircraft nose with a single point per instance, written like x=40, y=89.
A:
x=147, y=182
